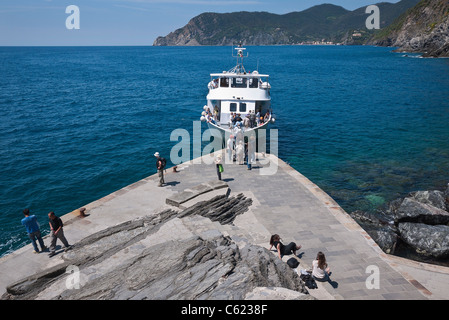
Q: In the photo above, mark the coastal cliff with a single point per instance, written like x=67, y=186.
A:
x=423, y=29
x=322, y=23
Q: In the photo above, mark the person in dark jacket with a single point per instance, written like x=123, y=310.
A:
x=57, y=232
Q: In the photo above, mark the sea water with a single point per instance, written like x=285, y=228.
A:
x=77, y=123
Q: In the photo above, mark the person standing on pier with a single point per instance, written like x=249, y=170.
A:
x=56, y=233
x=33, y=230
x=160, y=165
x=251, y=151
x=230, y=148
x=219, y=166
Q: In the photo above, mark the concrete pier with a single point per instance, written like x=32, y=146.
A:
x=286, y=203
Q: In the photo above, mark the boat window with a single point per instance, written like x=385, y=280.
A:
x=253, y=83
x=224, y=82
x=233, y=107
x=238, y=82
x=242, y=107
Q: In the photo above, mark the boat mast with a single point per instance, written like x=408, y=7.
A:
x=239, y=68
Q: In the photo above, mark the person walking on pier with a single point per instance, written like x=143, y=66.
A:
x=57, y=232
x=33, y=230
x=282, y=249
x=160, y=165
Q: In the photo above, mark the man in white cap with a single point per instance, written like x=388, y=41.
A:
x=160, y=165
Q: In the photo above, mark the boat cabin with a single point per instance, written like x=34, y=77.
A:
x=243, y=94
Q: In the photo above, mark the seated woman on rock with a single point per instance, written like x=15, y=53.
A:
x=282, y=249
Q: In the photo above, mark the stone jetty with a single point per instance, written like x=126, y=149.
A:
x=199, y=238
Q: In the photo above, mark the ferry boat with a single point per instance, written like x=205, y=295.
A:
x=238, y=100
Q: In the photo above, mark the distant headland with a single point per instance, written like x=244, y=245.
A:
x=410, y=25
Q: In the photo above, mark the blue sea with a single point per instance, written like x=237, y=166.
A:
x=77, y=123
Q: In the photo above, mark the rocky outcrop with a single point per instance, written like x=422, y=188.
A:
x=420, y=221
x=414, y=210
x=170, y=255
x=427, y=240
x=424, y=29
x=380, y=228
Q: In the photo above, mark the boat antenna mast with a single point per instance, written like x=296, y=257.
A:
x=240, y=55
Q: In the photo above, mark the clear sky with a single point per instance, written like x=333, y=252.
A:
x=124, y=22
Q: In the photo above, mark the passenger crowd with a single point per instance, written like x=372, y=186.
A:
x=240, y=150
x=251, y=120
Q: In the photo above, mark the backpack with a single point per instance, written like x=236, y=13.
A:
x=309, y=281
x=292, y=263
x=163, y=163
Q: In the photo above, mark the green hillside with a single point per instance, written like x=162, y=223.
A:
x=322, y=22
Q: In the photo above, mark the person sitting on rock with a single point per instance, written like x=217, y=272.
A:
x=282, y=249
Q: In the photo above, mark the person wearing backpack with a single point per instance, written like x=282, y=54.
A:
x=160, y=165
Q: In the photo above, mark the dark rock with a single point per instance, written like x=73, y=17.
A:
x=446, y=195
x=422, y=216
x=393, y=207
x=385, y=239
x=382, y=231
x=414, y=211
x=220, y=208
x=434, y=198
x=426, y=240
x=375, y=220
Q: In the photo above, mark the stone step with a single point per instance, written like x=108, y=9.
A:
x=180, y=198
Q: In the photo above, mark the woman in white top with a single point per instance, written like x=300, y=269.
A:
x=321, y=269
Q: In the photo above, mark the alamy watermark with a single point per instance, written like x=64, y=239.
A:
x=373, y=21
x=73, y=20
x=75, y=280
x=190, y=147
x=373, y=280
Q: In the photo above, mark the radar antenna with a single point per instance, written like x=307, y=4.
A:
x=240, y=55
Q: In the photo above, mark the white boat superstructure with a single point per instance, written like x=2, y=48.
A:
x=238, y=99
